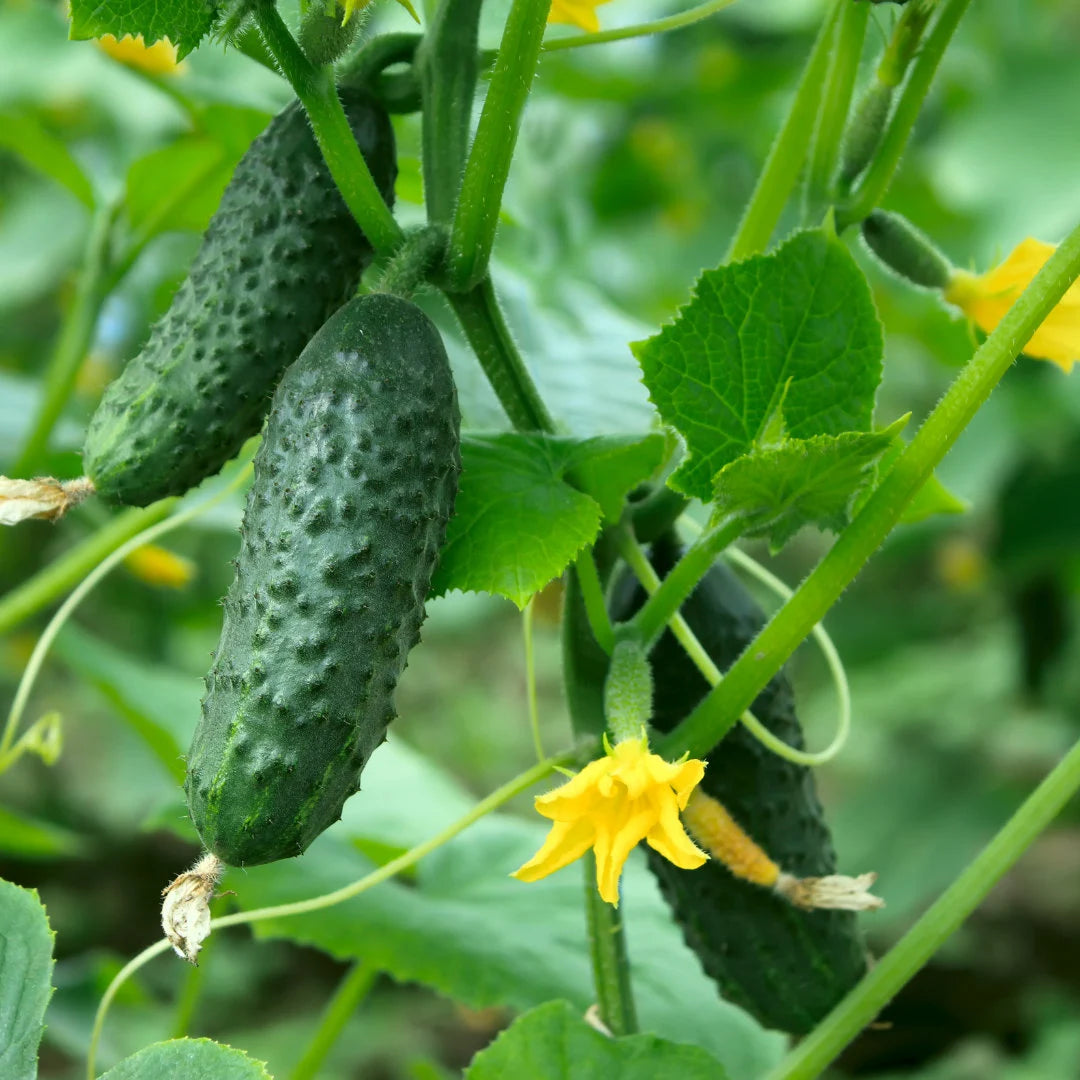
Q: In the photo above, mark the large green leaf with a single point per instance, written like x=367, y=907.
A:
x=25, y=979
x=796, y=327
x=796, y=482
x=529, y=503
x=468, y=930
x=28, y=838
x=184, y=22
x=25, y=135
x=553, y=1042
x=192, y=1059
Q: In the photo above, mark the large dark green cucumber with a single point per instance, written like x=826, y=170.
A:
x=280, y=254
x=354, y=483
x=786, y=966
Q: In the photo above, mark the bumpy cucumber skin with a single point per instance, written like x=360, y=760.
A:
x=280, y=254
x=354, y=484
x=785, y=966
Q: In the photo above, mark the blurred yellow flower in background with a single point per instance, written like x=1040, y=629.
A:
x=985, y=298
x=156, y=59
x=628, y=795
x=580, y=13
x=161, y=567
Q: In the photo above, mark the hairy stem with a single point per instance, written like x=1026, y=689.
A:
x=350, y=992
x=607, y=951
x=811, y=1057
x=873, y=184
x=708, y=723
x=780, y=172
x=592, y=594
x=488, y=166
x=491, y=340
x=315, y=89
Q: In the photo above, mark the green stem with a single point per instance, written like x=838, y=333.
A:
x=607, y=951
x=448, y=66
x=708, y=723
x=350, y=992
x=871, y=188
x=781, y=169
x=652, y=516
x=835, y=105
x=484, y=326
x=664, y=604
x=315, y=89
x=488, y=166
x=73, y=343
x=592, y=594
x=914, y=949
x=52, y=581
x=188, y=998
x=622, y=33
x=530, y=678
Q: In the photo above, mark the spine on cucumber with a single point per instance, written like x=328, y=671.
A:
x=354, y=484
x=281, y=253
x=786, y=966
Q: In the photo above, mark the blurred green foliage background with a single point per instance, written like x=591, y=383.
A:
x=631, y=172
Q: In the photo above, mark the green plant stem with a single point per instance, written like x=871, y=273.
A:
x=448, y=66
x=488, y=165
x=835, y=104
x=607, y=951
x=315, y=89
x=188, y=998
x=75, y=338
x=873, y=184
x=592, y=594
x=491, y=340
x=652, y=516
x=810, y=1058
x=351, y=991
x=651, y=621
x=708, y=723
x=781, y=170
x=521, y=782
x=530, y=678
x=646, y=29
x=52, y=581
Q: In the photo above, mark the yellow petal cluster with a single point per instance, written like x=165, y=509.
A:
x=626, y=796
x=156, y=59
x=580, y=13
x=985, y=298
x=161, y=567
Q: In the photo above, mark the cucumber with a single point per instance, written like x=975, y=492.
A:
x=785, y=966
x=354, y=483
x=280, y=254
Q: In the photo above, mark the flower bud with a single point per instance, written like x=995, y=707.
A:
x=905, y=250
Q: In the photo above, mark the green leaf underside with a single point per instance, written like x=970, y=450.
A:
x=553, y=1042
x=521, y=518
x=183, y=22
x=25, y=979
x=796, y=326
x=192, y=1059
x=800, y=482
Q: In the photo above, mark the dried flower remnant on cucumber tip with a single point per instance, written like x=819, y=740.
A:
x=628, y=795
x=42, y=499
x=985, y=299
x=185, y=911
x=710, y=824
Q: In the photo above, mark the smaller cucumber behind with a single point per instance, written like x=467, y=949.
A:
x=280, y=254
x=354, y=484
x=785, y=966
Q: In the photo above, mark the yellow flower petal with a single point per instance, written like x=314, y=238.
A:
x=987, y=297
x=615, y=802
x=156, y=59
x=160, y=566
x=580, y=13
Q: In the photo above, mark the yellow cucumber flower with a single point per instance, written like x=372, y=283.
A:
x=580, y=13
x=985, y=298
x=628, y=795
x=160, y=566
x=156, y=59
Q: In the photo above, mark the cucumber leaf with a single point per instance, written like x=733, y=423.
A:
x=796, y=482
x=25, y=979
x=527, y=505
x=184, y=22
x=30, y=838
x=796, y=327
x=553, y=1042
x=193, y=1059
